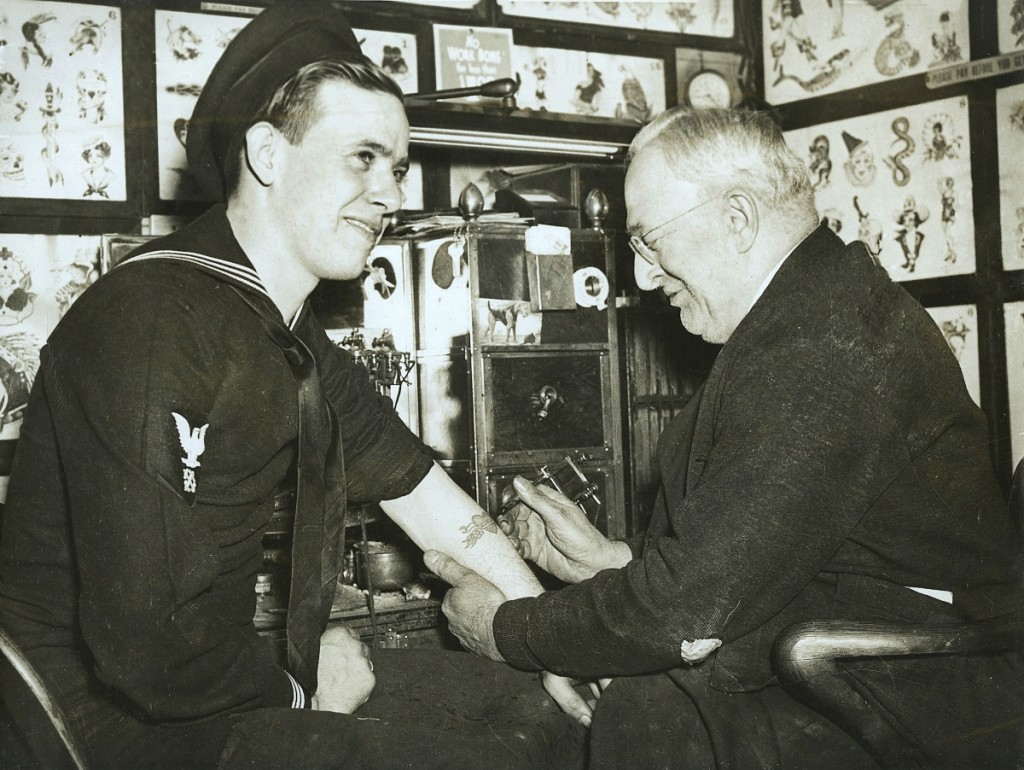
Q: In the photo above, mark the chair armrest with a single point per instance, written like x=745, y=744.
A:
x=35, y=687
x=807, y=660
x=803, y=644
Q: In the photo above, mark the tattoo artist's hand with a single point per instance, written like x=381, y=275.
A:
x=469, y=605
x=550, y=530
x=563, y=692
x=345, y=672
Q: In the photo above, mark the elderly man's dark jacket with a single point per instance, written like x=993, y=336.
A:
x=833, y=458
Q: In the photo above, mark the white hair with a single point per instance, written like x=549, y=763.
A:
x=717, y=149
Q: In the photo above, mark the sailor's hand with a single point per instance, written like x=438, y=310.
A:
x=345, y=672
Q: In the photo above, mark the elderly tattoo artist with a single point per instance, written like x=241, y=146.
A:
x=832, y=465
x=181, y=393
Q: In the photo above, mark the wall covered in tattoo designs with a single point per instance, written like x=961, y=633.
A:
x=96, y=98
x=61, y=102
x=911, y=124
x=900, y=181
x=816, y=47
x=187, y=45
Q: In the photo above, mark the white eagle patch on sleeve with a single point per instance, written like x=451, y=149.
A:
x=193, y=444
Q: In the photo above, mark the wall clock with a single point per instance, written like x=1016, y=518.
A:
x=709, y=88
x=707, y=78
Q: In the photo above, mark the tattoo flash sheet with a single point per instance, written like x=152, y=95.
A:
x=40, y=276
x=959, y=325
x=815, y=47
x=61, y=102
x=1010, y=136
x=395, y=52
x=713, y=18
x=594, y=84
x=900, y=182
x=1014, y=317
x=1011, y=25
x=187, y=47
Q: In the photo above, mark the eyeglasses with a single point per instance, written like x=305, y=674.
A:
x=638, y=243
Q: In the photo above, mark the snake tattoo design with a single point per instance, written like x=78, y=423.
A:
x=900, y=172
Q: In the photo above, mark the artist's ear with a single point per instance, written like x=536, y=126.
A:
x=261, y=145
x=743, y=219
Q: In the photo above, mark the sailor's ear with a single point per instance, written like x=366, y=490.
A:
x=262, y=145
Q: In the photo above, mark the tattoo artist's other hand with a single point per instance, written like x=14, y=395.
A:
x=345, y=672
x=554, y=533
x=563, y=692
x=469, y=605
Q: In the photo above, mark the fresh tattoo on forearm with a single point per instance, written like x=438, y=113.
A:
x=480, y=524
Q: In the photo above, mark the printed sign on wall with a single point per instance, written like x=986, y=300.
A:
x=815, y=47
x=900, y=181
x=61, y=102
x=470, y=56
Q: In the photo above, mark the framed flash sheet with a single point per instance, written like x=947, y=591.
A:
x=815, y=47
x=900, y=181
x=61, y=102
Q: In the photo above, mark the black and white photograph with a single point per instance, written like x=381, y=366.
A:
x=512, y=385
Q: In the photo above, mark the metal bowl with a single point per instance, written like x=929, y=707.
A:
x=383, y=566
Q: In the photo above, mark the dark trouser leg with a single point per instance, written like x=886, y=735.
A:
x=430, y=709
x=647, y=722
x=957, y=711
x=655, y=722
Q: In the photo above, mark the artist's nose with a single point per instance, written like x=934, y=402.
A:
x=648, y=274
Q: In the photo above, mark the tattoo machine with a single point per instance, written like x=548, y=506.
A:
x=563, y=476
